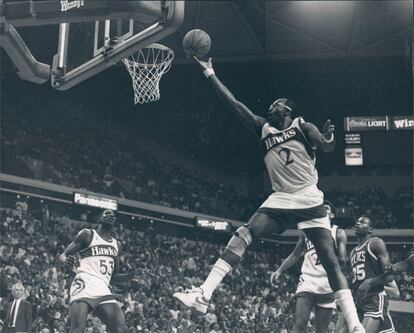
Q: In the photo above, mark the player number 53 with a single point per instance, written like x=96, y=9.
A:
x=104, y=268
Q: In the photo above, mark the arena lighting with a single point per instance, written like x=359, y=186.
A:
x=317, y=13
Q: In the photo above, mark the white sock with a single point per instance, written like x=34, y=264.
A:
x=219, y=271
x=346, y=302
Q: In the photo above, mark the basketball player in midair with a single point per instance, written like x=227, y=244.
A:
x=371, y=277
x=98, y=266
x=290, y=145
x=313, y=290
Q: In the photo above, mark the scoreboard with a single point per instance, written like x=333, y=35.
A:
x=378, y=140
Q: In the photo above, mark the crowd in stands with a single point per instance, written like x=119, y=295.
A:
x=245, y=301
x=97, y=161
x=395, y=212
x=69, y=152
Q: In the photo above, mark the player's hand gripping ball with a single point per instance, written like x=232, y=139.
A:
x=196, y=43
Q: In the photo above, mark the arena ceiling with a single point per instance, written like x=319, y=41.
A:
x=261, y=30
x=265, y=30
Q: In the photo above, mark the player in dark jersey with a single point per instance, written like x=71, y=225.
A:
x=371, y=274
x=99, y=266
x=290, y=145
x=313, y=291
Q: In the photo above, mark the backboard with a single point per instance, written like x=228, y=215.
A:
x=93, y=34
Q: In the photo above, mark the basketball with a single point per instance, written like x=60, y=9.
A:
x=196, y=43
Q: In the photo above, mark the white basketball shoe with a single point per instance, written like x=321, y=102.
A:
x=194, y=299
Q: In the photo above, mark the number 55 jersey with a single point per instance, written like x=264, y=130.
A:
x=91, y=283
x=365, y=265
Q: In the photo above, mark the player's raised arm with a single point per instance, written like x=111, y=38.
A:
x=81, y=241
x=253, y=122
x=292, y=259
x=341, y=245
x=324, y=140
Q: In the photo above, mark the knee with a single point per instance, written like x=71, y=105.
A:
x=300, y=325
x=240, y=240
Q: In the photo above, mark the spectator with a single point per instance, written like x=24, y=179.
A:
x=19, y=312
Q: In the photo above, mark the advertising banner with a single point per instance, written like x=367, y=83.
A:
x=368, y=123
x=94, y=201
x=354, y=156
x=402, y=122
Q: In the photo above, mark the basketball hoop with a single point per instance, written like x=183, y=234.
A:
x=146, y=68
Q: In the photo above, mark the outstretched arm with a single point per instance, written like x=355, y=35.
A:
x=341, y=243
x=324, y=140
x=292, y=259
x=253, y=122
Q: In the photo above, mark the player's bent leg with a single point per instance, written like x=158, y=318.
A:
x=323, y=317
x=78, y=315
x=304, y=307
x=259, y=224
x=112, y=316
x=199, y=298
x=324, y=246
x=371, y=324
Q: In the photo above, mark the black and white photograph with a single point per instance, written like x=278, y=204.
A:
x=197, y=166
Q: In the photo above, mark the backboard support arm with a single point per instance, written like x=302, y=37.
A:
x=28, y=68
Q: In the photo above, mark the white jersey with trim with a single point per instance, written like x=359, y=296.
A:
x=98, y=259
x=312, y=269
x=289, y=157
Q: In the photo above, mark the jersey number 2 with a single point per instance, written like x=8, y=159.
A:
x=287, y=152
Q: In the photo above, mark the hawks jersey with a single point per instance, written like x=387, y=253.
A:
x=289, y=157
x=98, y=259
x=312, y=269
x=365, y=265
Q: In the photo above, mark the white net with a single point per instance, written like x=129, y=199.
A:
x=146, y=68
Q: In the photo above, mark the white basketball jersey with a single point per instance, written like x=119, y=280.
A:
x=289, y=158
x=98, y=259
x=312, y=269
